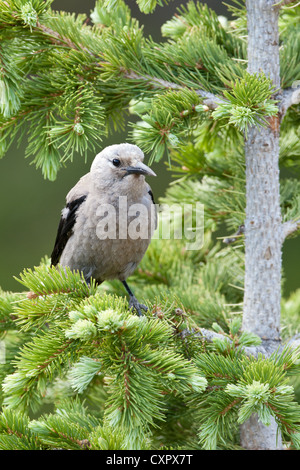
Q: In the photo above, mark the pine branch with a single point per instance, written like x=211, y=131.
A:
x=282, y=3
x=68, y=428
x=59, y=40
x=241, y=386
x=15, y=433
x=240, y=231
x=265, y=349
x=290, y=97
x=294, y=342
x=209, y=99
x=290, y=227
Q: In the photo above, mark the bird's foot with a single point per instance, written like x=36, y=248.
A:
x=135, y=305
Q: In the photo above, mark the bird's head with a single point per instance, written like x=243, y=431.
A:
x=120, y=163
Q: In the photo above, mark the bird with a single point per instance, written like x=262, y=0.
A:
x=96, y=234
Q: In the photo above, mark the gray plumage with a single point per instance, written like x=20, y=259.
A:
x=116, y=177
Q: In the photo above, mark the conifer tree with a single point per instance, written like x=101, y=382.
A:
x=215, y=361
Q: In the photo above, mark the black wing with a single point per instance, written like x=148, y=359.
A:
x=151, y=195
x=65, y=228
x=152, y=199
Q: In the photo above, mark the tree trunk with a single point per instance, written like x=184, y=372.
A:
x=263, y=228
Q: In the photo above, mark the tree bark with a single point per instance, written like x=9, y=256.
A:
x=255, y=435
x=263, y=226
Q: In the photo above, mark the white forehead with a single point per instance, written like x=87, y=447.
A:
x=122, y=151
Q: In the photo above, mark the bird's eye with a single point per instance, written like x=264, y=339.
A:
x=116, y=162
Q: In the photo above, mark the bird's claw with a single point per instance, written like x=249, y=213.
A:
x=135, y=305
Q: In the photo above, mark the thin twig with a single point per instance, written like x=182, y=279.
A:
x=290, y=96
x=266, y=348
x=289, y=227
x=57, y=39
x=210, y=100
x=240, y=231
x=285, y=2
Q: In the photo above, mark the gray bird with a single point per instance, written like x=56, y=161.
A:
x=109, y=218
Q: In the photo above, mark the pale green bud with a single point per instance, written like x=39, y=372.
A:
x=171, y=376
x=29, y=15
x=78, y=128
x=198, y=383
x=139, y=106
x=82, y=329
x=173, y=139
x=110, y=320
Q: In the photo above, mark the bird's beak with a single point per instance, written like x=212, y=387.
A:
x=139, y=169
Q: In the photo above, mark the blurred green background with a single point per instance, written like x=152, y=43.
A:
x=30, y=205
